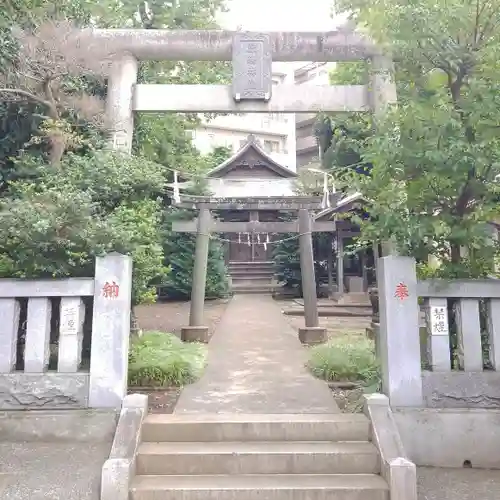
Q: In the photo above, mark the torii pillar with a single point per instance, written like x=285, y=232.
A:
x=197, y=331
x=312, y=333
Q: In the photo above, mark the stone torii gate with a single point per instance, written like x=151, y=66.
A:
x=206, y=224
x=251, y=91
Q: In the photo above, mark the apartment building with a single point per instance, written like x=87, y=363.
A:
x=288, y=138
x=274, y=131
x=307, y=150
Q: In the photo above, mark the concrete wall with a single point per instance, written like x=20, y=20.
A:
x=449, y=437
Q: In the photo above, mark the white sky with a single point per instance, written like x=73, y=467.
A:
x=275, y=15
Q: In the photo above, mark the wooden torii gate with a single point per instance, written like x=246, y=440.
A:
x=205, y=225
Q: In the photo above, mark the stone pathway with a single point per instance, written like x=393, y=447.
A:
x=51, y=471
x=256, y=365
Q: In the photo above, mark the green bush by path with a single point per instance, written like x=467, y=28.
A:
x=160, y=359
x=345, y=360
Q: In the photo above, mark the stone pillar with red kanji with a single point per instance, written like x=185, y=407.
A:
x=399, y=340
x=110, y=331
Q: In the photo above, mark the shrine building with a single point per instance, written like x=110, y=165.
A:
x=252, y=173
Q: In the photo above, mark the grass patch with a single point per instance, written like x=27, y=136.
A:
x=162, y=360
x=341, y=360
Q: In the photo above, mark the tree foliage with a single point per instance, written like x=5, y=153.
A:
x=435, y=158
x=65, y=200
x=56, y=224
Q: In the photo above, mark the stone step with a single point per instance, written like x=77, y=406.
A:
x=209, y=428
x=286, y=457
x=253, y=288
x=250, y=272
x=251, y=263
x=333, y=311
x=357, y=298
x=243, y=271
x=252, y=279
x=260, y=487
x=263, y=266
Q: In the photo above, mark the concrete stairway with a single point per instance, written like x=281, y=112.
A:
x=257, y=457
x=251, y=277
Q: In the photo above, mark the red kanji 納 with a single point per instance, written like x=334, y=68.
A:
x=110, y=290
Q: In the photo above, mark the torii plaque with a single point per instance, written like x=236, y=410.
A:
x=252, y=67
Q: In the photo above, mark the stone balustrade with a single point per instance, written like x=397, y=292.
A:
x=452, y=360
x=42, y=339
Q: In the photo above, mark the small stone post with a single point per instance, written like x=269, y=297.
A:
x=121, y=82
x=312, y=333
x=110, y=331
x=330, y=265
x=72, y=316
x=376, y=256
x=196, y=331
x=340, y=264
x=9, y=319
x=399, y=339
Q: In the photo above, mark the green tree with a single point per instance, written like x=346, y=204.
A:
x=179, y=250
x=435, y=157
x=54, y=92
x=218, y=156
x=165, y=138
x=286, y=258
x=56, y=224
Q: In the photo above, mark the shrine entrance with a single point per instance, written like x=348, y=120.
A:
x=248, y=248
x=252, y=91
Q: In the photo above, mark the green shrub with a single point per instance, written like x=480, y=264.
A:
x=179, y=250
x=161, y=359
x=343, y=360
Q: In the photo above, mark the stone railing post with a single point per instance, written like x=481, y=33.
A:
x=110, y=331
x=399, y=340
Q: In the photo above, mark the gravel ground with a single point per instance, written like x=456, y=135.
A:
x=172, y=316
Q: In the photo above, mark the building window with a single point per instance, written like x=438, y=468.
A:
x=271, y=146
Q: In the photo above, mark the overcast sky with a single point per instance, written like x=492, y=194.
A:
x=275, y=15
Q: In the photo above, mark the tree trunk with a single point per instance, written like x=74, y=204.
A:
x=57, y=148
x=455, y=253
x=56, y=138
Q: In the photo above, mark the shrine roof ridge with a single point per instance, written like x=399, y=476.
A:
x=252, y=143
